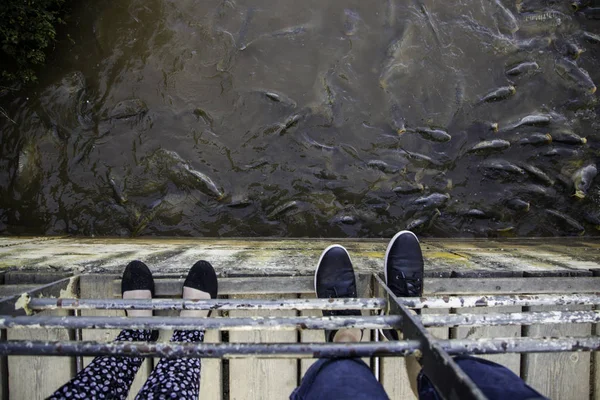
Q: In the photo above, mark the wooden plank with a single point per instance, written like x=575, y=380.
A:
x=558, y=375
x=310, y=336
x=211, y=378
x=294, y=256
x=261, y=378
x=98, y=287
x=11, y=290
x=511, y=361
x=393, y=373
x=596, y=366
x=211, y=369
x=38, y=377
x=431, y=286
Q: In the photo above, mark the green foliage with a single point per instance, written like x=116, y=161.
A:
x=27, y=29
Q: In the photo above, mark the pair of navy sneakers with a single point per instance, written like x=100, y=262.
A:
x=403, y=268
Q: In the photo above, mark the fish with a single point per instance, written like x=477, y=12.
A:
x=531, y=120
x=536, y=139
x=566, y=221
x=572, y=73
x=280, y=98
x=203, y=182
x=256, y=164
x=28, y=166
x=577, y=5
x=408, y=188
x=127, y=109
x=351, y=21
x=382, y=166
x=582, y=180
x=524, y=68
x=507, y=23
x=423, y=159
x=244, y=29
x=567, y=137
x=537, y=173
x=423, y=222
x=498, y=94
x=561, y=152
x=434, y=200
x=592, y=13
x=345, y=219
x=573, y=50
x=286, y=32
x=283, y=208
x=536, y=191
x=490, y=145
x=591, y=37
x=518, y=204
x=501, y=166
x=593, y=218
x=436, y=135
x=396, y=118
x=476, y=213
x=145, y=219
x=239, y=202
x=307, y=140
x=204, y=115
x=117, y=192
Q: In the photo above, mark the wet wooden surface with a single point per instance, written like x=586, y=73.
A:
x=284, y=268
x=231, y=257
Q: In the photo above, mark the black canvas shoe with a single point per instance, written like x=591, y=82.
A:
x=137, y=276
x=403, y=266
x=334, y=278
x=202, y=276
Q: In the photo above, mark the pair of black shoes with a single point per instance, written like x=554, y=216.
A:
x=403, y=268
x=202, y=276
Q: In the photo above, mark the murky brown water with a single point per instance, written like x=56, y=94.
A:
x=287, y=118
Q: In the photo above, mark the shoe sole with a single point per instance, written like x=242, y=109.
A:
x=321, y=259
x=387, y=252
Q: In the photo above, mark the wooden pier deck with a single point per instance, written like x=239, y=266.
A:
x=284, y=268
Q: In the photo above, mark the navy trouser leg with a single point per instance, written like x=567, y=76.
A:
x=339, y=378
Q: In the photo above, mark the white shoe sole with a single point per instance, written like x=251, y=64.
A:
x=321, y=259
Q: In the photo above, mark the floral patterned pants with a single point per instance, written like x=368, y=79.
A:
x=109, y=377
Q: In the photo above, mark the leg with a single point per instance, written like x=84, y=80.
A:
x=177, y=377
x=404, y=276
x=106, y=377
x=339, y=378
x=403, y=267
x=495, y=381
x=111, y=377
x=180, y=378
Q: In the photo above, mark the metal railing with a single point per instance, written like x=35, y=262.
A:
x=388, y=312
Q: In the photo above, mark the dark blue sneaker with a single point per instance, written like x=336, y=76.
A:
x=334, y=278
x=403, y=266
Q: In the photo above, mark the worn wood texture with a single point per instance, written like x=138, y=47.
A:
x=262, y=378
x=596, y=366
x=560, y=376
x=394, y=377
x=98, y=287
x=36, y=378
x=211, y=369
x=170, y=287
x=511, y=361
x=295, y=256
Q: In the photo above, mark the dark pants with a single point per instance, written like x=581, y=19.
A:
x=346, y=378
